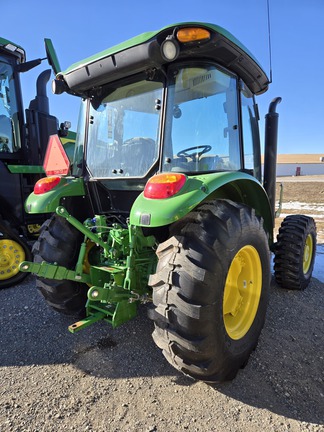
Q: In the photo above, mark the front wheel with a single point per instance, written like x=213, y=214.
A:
x=12, y=252
x=295, y=252
x=210, y=290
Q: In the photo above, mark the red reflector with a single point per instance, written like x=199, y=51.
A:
x=56, y=160
x=164, y=185
x=46, y=184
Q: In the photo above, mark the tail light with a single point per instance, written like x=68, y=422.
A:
x=164, y=185
x=46, y=184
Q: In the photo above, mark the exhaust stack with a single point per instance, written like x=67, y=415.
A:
x=270, y=152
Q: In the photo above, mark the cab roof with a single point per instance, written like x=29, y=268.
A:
x=13, y=48
x=143, y=52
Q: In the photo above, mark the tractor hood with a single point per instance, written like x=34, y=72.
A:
x=144, y=52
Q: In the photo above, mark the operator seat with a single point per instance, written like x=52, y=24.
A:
x=5, y=134
x=139, y=154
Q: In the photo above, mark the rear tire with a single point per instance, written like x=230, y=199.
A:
x=59, y=242
x=210, y=290
x=295, y=252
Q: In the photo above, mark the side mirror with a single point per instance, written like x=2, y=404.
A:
x=25, y=67
x=52, y=57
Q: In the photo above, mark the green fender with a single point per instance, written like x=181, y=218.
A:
x=235, y=186
x=49, y=201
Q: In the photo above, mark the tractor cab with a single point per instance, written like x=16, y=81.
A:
x=186, y=120
x=171, y=101
x=10, y=109
x=23, y=140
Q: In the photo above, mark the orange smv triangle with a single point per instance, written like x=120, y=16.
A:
x=56, y=160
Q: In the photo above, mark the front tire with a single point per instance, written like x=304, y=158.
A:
x=210, y=290
x=295, y=252
x=12, y=252
x=59, y=242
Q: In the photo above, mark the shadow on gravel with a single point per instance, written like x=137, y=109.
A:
x=284, y=375
x=31, y=333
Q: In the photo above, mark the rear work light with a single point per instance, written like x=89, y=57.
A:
x=193, y=34
x=46, y=184
x=170, y=47
x=164, y=185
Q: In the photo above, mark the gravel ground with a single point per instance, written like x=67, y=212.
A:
x=117, y=380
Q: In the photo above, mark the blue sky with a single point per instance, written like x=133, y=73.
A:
x=81, y=28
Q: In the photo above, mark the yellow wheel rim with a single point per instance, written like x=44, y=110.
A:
x=11, y=255
x=242, y=292
x=308, y=253
x=86, y=265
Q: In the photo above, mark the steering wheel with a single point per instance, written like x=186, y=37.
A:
x=195, y=154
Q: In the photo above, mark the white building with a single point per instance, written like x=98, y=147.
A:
x=299, y=164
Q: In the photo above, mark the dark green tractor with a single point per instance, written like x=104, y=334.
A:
x=165, y=201
x=23, y=140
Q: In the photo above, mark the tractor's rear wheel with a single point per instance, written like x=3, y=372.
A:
x=295, y=252
x=210, y=290
x=12, y=252
x=59, y=242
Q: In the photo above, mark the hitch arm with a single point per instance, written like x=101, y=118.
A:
x=61, y=211
x=52, y=271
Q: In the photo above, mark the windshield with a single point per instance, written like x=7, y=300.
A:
x=202, y=131
x=123, y=130
x=9, y=126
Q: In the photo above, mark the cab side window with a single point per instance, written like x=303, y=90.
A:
x=9, y=127
x=251, y=142
x=202, y=132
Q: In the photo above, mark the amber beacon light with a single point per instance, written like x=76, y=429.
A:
x=193, y=34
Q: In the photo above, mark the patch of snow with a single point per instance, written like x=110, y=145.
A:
x=318, y=271
x=296, y=205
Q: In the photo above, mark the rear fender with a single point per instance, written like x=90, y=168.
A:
x=49, y=201
x=238, y=187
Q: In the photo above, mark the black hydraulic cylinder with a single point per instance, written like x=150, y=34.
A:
x=270, y=152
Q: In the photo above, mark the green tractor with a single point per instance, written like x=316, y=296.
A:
x=23, y=142
x=164, y=201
